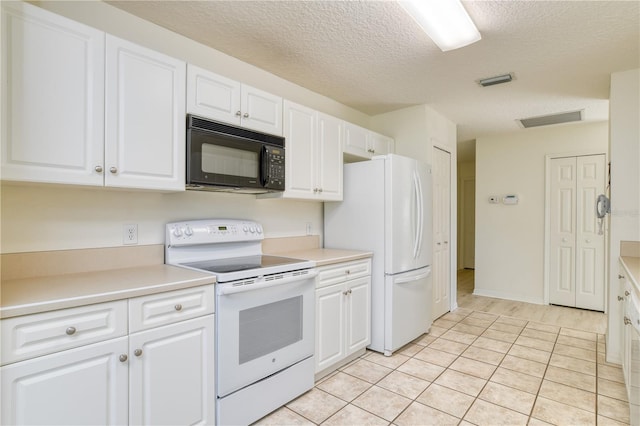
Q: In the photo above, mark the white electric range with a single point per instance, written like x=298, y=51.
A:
x=265, y=315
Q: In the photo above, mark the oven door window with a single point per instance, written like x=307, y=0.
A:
x=268, y=328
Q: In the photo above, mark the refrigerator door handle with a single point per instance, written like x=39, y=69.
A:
x=412, y=279
x=421, y=197
x=416, y=214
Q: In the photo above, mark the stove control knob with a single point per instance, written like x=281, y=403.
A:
x=177, y=232
x=245, y=228
x=252, y=229
x=188, y=231
x=258, y=229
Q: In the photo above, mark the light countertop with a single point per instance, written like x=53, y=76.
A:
x=39, y=294
x=325, y=256
x=632, y=265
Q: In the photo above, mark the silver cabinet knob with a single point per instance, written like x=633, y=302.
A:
x=315, y=190
x=137, y=352
x=123, y=358
x=621, y=277
x=620, y=298
x=345, y=292
x=70, y=331
x=178, y=307
x=347, y=271
x=564, y=240
x=238, y=113
x=99, y=169
x=319, y=189
x=245, y=115
x=626, y=293
x=587, y=241
x=349, y=291
x=627, y=321
x=113, y=169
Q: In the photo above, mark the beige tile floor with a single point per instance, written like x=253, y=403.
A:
x=490, y=362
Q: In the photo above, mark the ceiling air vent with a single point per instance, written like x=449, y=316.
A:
x=547, y=120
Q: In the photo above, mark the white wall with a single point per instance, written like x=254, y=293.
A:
x=37, y=218
x=510, y=239
x=625, y=188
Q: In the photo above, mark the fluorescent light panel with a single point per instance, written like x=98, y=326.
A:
x=445, y=21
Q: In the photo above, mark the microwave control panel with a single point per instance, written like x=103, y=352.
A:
x=275, y=168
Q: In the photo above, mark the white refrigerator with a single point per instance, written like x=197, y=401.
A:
x=387, y=210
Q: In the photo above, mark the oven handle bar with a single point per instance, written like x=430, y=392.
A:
x=263, y=283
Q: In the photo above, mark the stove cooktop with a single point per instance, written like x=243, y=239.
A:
x=248, y=266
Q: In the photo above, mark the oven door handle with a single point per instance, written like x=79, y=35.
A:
x=224, y=291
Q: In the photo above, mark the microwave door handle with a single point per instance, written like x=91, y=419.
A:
x=264, y=170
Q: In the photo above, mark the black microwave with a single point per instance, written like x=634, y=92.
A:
x=227, y=158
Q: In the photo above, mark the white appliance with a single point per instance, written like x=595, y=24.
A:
x=265, y=315
x=387, y=210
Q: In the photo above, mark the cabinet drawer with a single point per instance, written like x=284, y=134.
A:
x=334, y=274
x=40, y=334
x=167, y=308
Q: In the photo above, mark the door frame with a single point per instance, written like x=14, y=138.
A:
x=463, y=209
x=547, y=218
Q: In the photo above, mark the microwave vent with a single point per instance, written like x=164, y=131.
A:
x=206, y=125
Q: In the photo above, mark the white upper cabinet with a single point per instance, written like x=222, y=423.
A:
x=52, y=97
x=220, y=98
x=82, y=107
x=361, y=143
x=313, y=154
x=145, y=118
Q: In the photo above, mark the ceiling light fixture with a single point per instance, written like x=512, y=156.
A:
x=498, y=79
x=445, y=21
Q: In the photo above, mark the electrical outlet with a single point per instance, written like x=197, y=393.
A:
x=130, y=234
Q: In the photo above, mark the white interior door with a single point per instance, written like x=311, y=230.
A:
x=589, y=244
x=441, y=232
x=576, y=251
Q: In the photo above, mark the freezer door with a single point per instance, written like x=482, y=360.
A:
x=407, y=214
x=407, y=307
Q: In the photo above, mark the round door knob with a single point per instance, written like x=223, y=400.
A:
x=99, y=169
x=70, y=331
x=123, y=358
x=113, y=169
x=178, y=307
x=245, y=115
x=137, y=352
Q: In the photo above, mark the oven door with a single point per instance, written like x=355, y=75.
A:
x=262, y=328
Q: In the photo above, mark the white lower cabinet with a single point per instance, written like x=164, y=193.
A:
x=343, y=313
x=171, y=372
x=158, y=375
x=81, y=386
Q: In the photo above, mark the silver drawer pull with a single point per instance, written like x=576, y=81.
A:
x=620, y=298
x=123, y=358
x=70, y=331
x=178, y=307
x=137, y=352
x=620, y=277
x=627, y=321
x=626, y=293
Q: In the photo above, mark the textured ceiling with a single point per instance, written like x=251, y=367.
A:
x=373, y=57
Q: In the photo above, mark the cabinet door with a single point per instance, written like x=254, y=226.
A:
x=145, y=118
x=358, y=300
x=356, y=141
x=213, y=96
x=81, y=386
x=330, y=325
x=300, y=158
x=329, y=157
x=52, y=97
x=261, y=111
x=172, y=375
x=380, y=144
